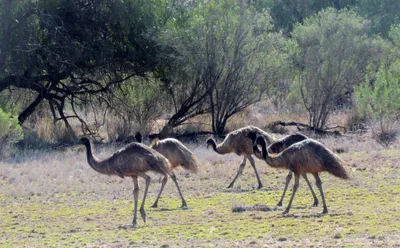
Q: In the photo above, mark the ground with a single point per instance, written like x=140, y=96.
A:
x=53, y=199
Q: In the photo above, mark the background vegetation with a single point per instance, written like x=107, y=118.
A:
x=109, y=68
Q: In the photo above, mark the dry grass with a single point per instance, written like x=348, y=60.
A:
x=55, y=199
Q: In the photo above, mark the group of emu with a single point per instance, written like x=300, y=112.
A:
x=296, y=153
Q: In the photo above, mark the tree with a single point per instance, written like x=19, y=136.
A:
x=382, y=14
x=180, y=76
x=134, y=106
x=65, y=51
x=223, y=60
x=378, y=97
x=286, y=13
x=236, y=58
x=334, y=50
x=381, y=100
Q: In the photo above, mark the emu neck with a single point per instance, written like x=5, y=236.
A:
x=257, y=152
x=94, y=162
x=273, y=161
x=221, y=148
x=214, y=146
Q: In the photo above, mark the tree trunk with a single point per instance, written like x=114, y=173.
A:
x=30, y=109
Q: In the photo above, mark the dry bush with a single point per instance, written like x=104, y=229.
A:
x=240, y=120
x=261, y=115
x=276, y=129
x=355, y=121
x=256, y=207
x=385, y=132
x=187, y=128
x=41, y=130
x=135, y=106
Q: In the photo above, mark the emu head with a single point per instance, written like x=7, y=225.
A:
x=84, y=141
x=138, y=137
x=210, y=142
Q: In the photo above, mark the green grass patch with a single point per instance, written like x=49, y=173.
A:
x=359, y=215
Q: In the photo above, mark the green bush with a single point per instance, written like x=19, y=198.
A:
x=10, y=132
x=380, y=101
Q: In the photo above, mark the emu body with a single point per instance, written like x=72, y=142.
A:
x=277, y=147
x=178, y=155
x=237, y=142
x=307, y=156
x=133, y=161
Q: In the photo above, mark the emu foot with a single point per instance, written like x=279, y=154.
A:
x=325, y=211
x=230, y=186
x=279, y=204
x=134, y=223
x=285, y=212
x=184, y=205
x=316, y=203
x=155, y=205
x=258, y=187
x=143, y=214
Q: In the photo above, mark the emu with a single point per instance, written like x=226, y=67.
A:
x=277, y=147
x=307, y=156
x=178, y=155
x=238, y=143
x=133, y=161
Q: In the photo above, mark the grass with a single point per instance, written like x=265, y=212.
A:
x=56, y=199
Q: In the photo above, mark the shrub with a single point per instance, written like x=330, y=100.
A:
x=355, y=121
x=10, y=132
x=136, y=105
x=328, y=70
x=380, y=100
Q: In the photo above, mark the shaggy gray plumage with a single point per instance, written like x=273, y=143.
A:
x=133, y=161
x=307, y=156
x=238, y=143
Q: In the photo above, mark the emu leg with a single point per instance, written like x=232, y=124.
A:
x=253, y=164
x=179, y=190
x=164, y=181
x=318, y=182
x=312, y=191
x=295, y=187
x=239, y=172
x=288, y=179
x=142, y=212
x=135, y=198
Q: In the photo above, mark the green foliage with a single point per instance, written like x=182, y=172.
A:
x=394, y=35
x=10, y=132
x=334, y=51
x=227, y=54
x=382, y=14
x=210, y=56
x=65, y=51
x=286, y=13
x=380, y=99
